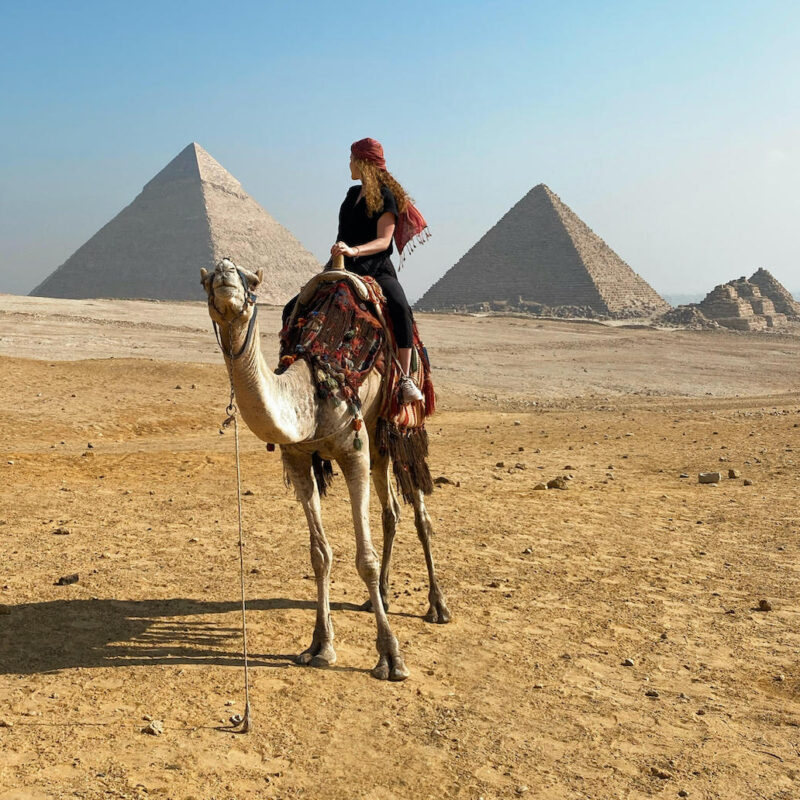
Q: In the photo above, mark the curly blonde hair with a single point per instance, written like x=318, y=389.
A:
x=373, y=178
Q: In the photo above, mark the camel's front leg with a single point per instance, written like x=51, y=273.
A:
x=437, y=610
x=300, y=472
x=390, y=516
x=355, y=468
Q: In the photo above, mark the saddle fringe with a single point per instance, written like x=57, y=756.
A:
x=408, y=451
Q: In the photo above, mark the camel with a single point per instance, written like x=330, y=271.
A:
x=284, y=409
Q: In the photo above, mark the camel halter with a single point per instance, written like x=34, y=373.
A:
x=240, y=721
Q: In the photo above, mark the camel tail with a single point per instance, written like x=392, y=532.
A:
x=323, y=473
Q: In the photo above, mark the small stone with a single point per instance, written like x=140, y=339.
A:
x=709, y=477
x=10, y=463
x=539, y=487
x=651, y=693
x=569, y=468
x=66, y=580
x=61, y=532
x=229, y=703
x=764, y=605
x=538, y=686
x=660, y=773
x=500, y=464
x=154, y=728
x=178, y=386
x=193, y=540
x=519, y=465
x=517, y=423
x=527, y=551
x=628, y=662
x=236, y=719
x=443, y=481
x=684, y=475
x=248, y=493
x=4, y=723
x=780, y=678
x=748, y=482
x=557, y=483
x=683, y=793
x=522, y=789
x=89, y=446
x=734, y=473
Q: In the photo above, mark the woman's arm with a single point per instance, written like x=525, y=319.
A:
x=386, y=223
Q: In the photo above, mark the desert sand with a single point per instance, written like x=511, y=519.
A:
x=606, y=639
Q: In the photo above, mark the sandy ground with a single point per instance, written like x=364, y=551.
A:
x=523, y=693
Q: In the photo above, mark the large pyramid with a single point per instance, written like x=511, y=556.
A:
x=541, y=252
x=190, y=215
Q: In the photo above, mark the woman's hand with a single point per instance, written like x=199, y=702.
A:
x=343, y=249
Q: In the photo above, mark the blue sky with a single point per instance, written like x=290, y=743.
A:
x=671, y=128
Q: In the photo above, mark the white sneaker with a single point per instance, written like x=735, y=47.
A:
x=409, y=393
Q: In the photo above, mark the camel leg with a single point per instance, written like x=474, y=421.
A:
x=355, y=468
x=437, y=610
x=390, y=516
x=321, y=652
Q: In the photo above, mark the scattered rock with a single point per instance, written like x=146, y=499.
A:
x=4, y=723
x=500, y=464
x=557, y=483
x=527, y=551
x=684, y=475
x=517, y=422
x=683, y=793
x=651, y=693
x=538, y=686
x=764, y=605
x=66, y=580
x=519, y=465
x=748, y=482
x=10, y=463
x=522, y=789
x=154, y=728
x=442, y=481
x=569, y=468
x=700, y=712
x=660, y=773
x=178, y=386
x=89, y=446
x=539, y=487
x=248, y=493
x=709, y=477
x=780, y=678
x=628, y=662
x=61, y=532
x=734, y=473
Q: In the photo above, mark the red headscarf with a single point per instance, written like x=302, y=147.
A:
x=411, y=228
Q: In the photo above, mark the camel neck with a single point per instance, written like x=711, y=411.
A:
x=274, y=407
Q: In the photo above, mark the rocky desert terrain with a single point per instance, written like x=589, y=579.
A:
x=633, y=635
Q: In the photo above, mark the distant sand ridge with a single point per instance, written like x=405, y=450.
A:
x=190, y=215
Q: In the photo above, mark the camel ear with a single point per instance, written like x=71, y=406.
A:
x=203, y=275
x=259, y=276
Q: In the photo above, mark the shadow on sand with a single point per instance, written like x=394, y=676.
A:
x=64, y=634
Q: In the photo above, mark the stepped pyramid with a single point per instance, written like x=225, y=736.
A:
x=780, y=296
x=190, y=215
x=541, y=252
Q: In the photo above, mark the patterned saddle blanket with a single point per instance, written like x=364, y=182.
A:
x=340, y=327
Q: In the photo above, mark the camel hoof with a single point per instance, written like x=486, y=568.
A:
x=317, y=656
x=390, y=668
x=438, y=613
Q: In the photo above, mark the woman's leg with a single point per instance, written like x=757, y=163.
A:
x=401, y=317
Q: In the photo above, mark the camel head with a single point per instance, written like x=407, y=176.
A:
x=229, y=288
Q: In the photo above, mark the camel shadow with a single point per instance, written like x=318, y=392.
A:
x=66, y=634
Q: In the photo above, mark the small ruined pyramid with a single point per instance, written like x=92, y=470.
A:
x=540, y=252
x=190, y=215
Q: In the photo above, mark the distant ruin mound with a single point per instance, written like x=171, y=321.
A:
x=190, y=215
x=541, y=254
x=755, y=304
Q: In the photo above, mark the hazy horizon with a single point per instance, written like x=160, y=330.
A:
x=671, y=131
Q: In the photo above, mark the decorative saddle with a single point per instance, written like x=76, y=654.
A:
x=339, y=326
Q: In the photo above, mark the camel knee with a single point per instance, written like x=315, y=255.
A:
x=368, y=567
x=422, y=522
x=321, y=555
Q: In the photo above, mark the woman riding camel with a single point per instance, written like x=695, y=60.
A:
x=372, y=216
